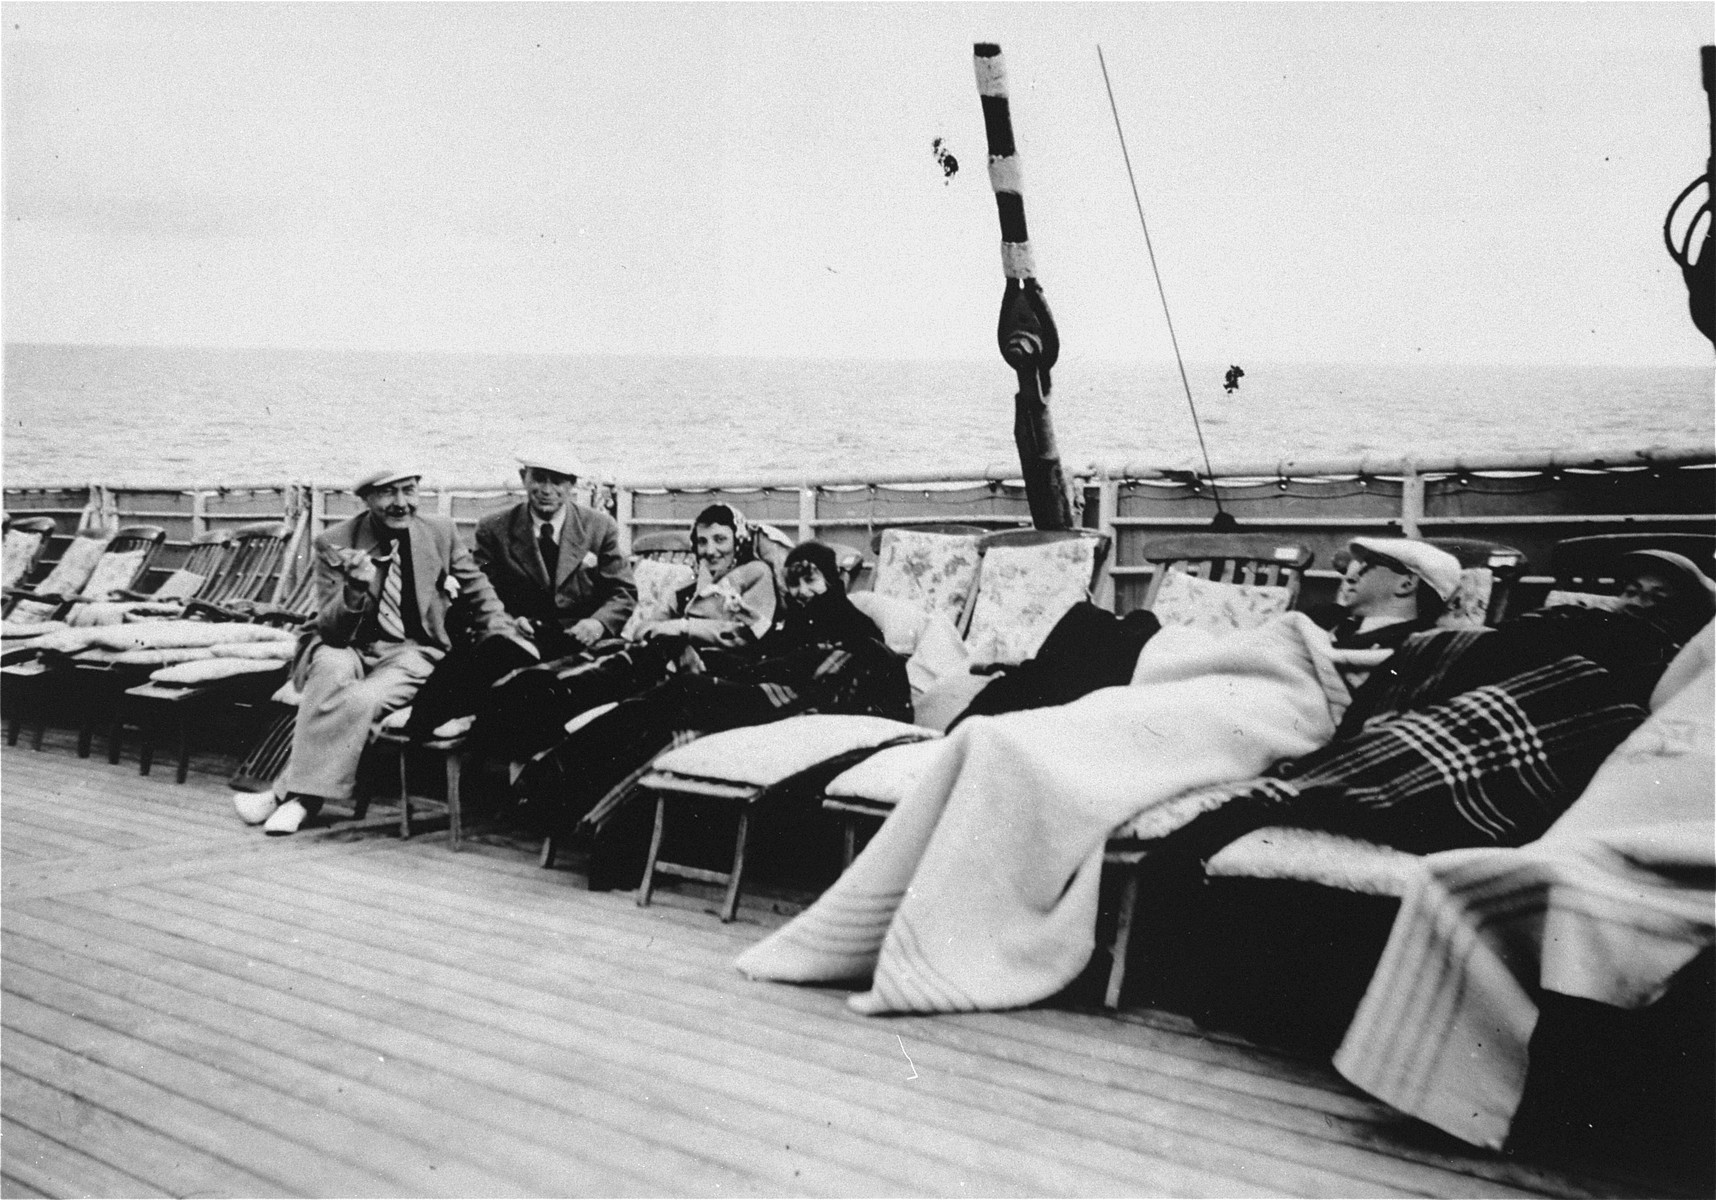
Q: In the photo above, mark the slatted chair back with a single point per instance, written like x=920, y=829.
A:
x=26, y=542
x=250, y=569
x=202, y=562
x=123, y=563
x=1027, y=579
x=1265, y=573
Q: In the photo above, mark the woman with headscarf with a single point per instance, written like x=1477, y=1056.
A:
x=823, y=655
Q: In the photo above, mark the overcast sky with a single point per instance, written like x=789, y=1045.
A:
x=1331, y=182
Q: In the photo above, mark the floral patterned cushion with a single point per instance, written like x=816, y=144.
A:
x=1582, y=600
x=933, y=571
x=1022, y=592
x=1470, y=603
x=658, y=583
x=21, y=547
x=1217, y=608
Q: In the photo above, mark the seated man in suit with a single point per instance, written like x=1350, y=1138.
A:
x=556, y=564
x=387, y=581
x=1394, y=588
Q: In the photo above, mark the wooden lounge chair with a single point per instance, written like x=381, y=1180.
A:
x=27, y=541
x=91, y=569
x=1034, y=576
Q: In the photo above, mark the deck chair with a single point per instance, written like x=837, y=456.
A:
x=1585, y=567
x=248, y=575
x=26, y=541
x=93, y=568
x=1032, y=577
x=207, y=552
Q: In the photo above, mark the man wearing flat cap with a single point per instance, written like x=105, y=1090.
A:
x=555, y=563
x=1393, y=588
x=387, y=581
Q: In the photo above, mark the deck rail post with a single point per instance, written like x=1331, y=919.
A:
x=1107, y=508
x=1411, y=498
x=623, y=517
x=199, y=513
x=806, y=511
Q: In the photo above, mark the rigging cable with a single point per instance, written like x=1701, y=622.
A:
x=1222, y=520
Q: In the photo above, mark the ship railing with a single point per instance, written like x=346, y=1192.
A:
x=1527, y=499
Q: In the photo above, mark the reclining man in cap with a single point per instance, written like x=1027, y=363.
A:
x=556, y=564
x=387, y=581
x=1394, y=588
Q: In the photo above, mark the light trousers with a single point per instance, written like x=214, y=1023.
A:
x=343, y=692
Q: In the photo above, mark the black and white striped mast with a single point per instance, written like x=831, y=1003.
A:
x=1026, y=330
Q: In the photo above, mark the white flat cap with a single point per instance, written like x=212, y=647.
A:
x=553, y=458
x=385, y=476
x=1432, y=564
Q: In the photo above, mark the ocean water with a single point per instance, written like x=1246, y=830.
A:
x=180, y=416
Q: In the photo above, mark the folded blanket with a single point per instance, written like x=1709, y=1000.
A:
x=980, y=890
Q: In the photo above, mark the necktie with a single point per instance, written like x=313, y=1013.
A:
x=387, y=616
x=550, y=549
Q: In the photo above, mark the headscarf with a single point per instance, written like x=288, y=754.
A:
x=744, y=537
x=828, y=618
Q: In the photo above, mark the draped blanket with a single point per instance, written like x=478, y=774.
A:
x=1607, y=906
x=980, y=890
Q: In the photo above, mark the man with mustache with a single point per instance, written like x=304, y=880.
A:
x=387, y=581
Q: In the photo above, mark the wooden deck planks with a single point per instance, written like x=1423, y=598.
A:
x=190, y=1007
x=688, y=1072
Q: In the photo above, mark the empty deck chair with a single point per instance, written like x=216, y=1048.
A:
x=203, y=561
x=26, y=541
x=1033, y=577
x=93, y=568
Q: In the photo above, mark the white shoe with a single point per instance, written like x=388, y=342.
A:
x=457, y=727
x=286, y=819
x=255, y=807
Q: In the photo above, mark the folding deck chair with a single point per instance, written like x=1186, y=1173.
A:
x=1585, y=567
x=26, y=542
x=99, y=568
x=1033, y=577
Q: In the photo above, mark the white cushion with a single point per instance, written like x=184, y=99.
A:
x=1470, y=603
x=946, y=698
x=764, y=754
x=74, y=567
x=1220, y=608
x=901, y=622
x=113, y=572
x=1559, y=597
x=204, y=670
x=21, y=547
x=887, y=775
x=1314, y=856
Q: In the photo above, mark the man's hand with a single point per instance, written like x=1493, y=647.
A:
x=588, y=632
x=357, y=566
x=525, y=629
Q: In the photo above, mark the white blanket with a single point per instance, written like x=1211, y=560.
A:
x=1608, y=906
x=980, y=891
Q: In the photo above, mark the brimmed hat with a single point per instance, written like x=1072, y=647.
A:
x=381, y=478
x=1431, y=564
x=552, y=459
x=1699, y=586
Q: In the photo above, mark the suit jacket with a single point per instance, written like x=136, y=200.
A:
x=437, y=557
x=592, y=579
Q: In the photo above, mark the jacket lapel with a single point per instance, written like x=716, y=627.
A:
x=523, y=548
x=571, y=547
x=425, y=566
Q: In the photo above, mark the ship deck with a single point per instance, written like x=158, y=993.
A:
x=192, y=1008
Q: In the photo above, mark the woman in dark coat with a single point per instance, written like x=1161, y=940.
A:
x=822, y=655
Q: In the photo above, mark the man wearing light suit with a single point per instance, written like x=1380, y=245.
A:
x=387, y=581
x=555, y=563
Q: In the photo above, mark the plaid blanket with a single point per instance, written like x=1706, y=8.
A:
x=1492, y=766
